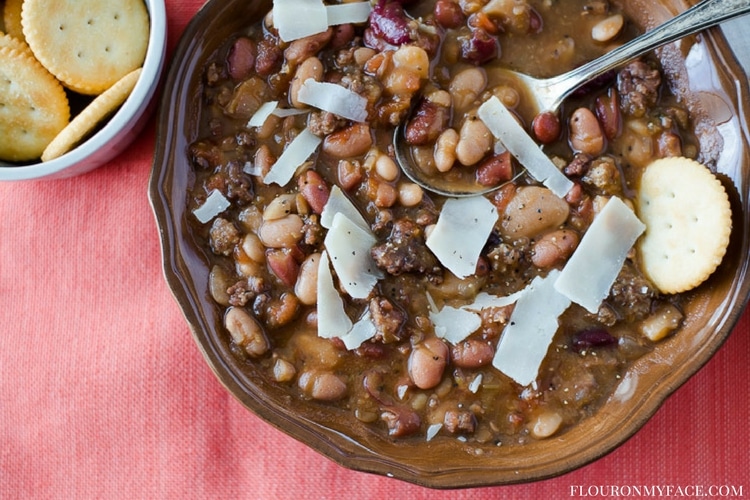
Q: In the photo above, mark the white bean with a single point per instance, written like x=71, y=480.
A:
x=306, y=288
x=246, y=331
x=410, y=194
x=466, y=87
x=475, y=141
x=445, y=150
x=386, y=168
x=607, y=29
x=281, y=233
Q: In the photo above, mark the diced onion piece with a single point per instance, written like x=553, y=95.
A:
x=592, y=269
x=475, y=383
x=332, y=318
x=260, y=116
x=334, y=99
x=363, y=330
x=454, y=324
x=295, y=154
x=432, y=431
x=296, y=19
x=534, y=322
x=215, y=204
x=338, y=202
x=345, y=13
x=506, y=129
x=461, y=232
x=349, y=247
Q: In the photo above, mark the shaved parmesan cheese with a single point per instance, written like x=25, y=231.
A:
x=295, y=154
x=332, y=318
x=338, y=202
x=534, y=322
x=334, y=99
x=461, y=232
x=455, y=324
x=506, y=129
x=284, y=112
x=260, y=116
x=215, y=204
x=363, y=330
x=252, y=169
x=296, y=19
x=349, y=248
x=345, y=13
x=485, y=301
x=592, y=269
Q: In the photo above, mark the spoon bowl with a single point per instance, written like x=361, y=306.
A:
x=547, y=94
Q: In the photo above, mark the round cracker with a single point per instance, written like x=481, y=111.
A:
x=12, y=18
x=33, y=106
x=93, y=114
x=13, y=42
x=87, y=44
x=688, y=222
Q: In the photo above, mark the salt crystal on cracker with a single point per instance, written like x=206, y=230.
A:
x=688, y=222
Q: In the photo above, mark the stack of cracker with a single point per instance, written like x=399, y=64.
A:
x=57, y=47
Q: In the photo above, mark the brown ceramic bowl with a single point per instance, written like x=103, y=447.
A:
x=713, y=85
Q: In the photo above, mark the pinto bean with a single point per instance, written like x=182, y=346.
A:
x=546, y=127
x=475, y=141
x=246, y=331
x=427, y=362
x=586, y=135
x=531, y=211
x=302, y=48
x=445, y=150
x=472, y=353
x=554, y=247
x=314, y=190
x=322, y=385
x=607, y=108
x=310, y=68
x=281, y=233
x=348, y=142
x=241, y=58
x=466, y=87
x=307, y=281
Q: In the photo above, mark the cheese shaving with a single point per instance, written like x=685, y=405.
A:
x=332, y=318
x=260, y=116
x=349, y=247
x=461, y=232
x=455, y=324
x=592, y=269
x=334, y=99
x=215, y=204
x=363, y=330
x=338, y=202
x=345, y=13
x=533, y=323
x=295, y=154
x=295, y=19
x=506, y=129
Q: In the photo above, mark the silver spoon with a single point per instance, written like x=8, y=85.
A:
x=547, y=94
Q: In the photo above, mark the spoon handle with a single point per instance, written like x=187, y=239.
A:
x=699, y=17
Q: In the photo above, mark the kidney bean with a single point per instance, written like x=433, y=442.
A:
x=448, y=14
x=401, y=421
x=495, y=169
x=479, y=47
x=607, y=109
x=427, y=362
x=342, y=35
x=472, y=353
x=426, y=124
x=314, y=189
x=246, y=331
x=283, y=264
x=586, y=135
x=388, y=22
x=322, y=385
x=595, y=337
x=241, y=58
x=546, y=127
x=270, y=57
x=553, y=248
x=348, y=142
